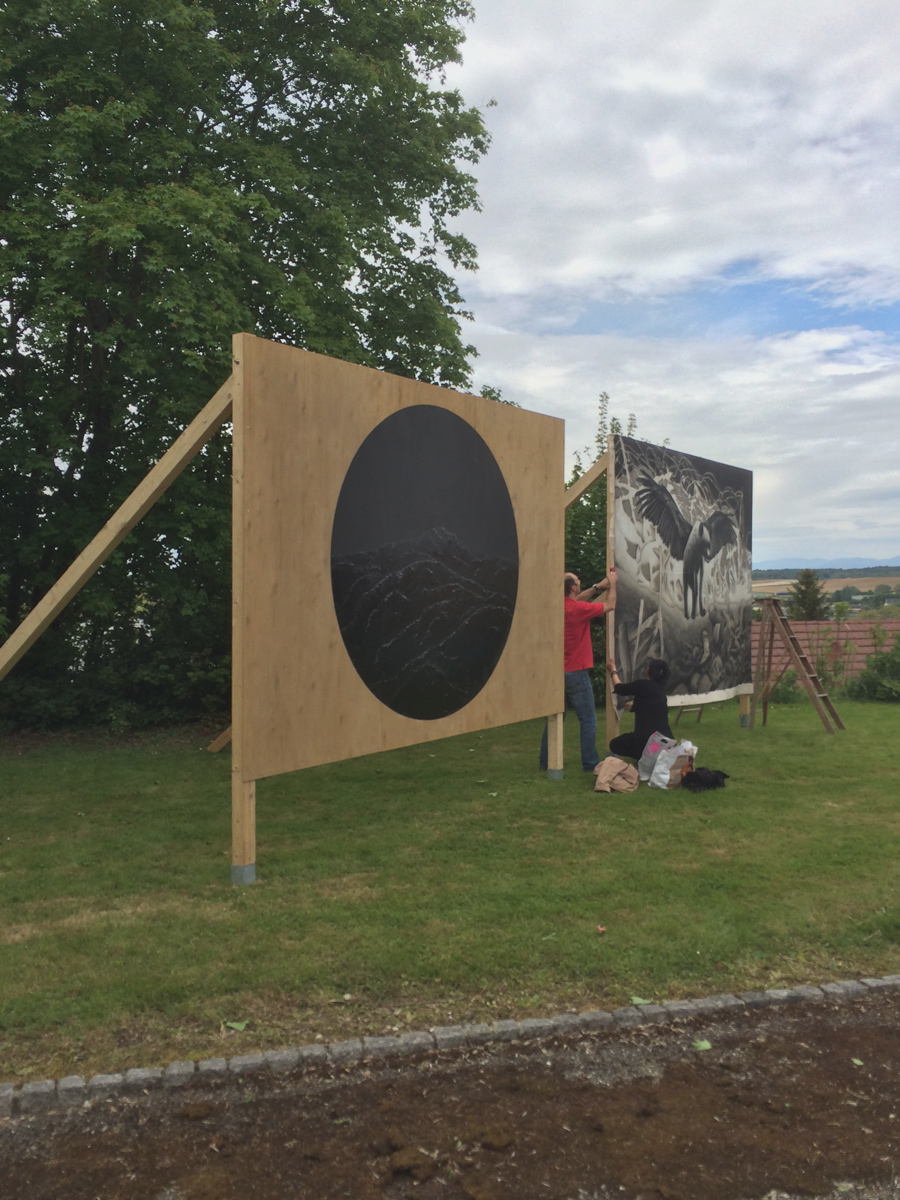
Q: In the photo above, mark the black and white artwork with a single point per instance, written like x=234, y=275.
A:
x=683, y=562
x=424, y=562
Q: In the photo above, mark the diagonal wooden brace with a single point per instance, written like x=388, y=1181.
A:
x=141, y=500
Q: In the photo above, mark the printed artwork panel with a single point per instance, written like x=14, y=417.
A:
x=683, y=546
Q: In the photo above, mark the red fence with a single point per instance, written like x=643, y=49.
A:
x=834, y=642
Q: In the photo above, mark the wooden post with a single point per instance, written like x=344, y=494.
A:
x=759, y=675
x=555, y=746
x=123, y=520
x=744, y=710
x=612, y=719
x=574, y=492
x=243, y=829
x=243, y=791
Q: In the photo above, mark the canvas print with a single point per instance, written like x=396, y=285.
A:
x=424, y=562
x=683, y=559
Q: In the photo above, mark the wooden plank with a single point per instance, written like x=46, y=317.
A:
x=612, y=717
x=220, y=742
x=298, y=696
x=577, y=489
x=123, y=520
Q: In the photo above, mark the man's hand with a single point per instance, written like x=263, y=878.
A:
x=610, y=582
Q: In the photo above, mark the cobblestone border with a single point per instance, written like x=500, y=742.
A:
x=73, y=1091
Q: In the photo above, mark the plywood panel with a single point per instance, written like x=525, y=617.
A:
x=298, y=698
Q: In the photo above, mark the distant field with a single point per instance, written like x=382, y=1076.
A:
x=864, y=583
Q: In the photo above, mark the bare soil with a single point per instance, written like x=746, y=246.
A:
x=796, y=1101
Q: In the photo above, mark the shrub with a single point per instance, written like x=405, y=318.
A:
x=881, y=678
x=786, y=690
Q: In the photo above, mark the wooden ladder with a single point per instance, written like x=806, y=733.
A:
x=772, y=622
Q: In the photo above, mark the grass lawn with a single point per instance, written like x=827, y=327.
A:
x=445, y=882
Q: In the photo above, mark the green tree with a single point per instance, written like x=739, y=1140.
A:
x=808, y=598
x=173, y=171
x=841, y=610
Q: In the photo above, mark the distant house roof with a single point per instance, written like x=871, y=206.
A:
x=851, y=641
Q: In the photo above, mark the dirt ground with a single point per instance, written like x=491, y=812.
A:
x=795, y=1101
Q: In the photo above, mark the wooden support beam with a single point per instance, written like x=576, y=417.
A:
x=141, y=500
x=759, y=676
x=220, y=742
x=243, y=791
x=555, y=746
x=612, y=717
x=576, y=490
x=243, y=828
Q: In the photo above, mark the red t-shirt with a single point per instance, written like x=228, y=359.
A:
x=579, y=653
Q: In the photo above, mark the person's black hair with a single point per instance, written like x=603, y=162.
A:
x=658, y=671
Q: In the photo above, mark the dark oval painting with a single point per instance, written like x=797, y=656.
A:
x=424, y=562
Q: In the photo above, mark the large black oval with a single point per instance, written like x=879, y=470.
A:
x=424, y=562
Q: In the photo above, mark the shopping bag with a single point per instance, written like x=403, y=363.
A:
x=672, y=763
x=655, y=743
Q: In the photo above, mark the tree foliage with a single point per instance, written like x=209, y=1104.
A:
x=173, y=171
x=808, y=600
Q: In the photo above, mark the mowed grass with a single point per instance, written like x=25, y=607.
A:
x=445, y=882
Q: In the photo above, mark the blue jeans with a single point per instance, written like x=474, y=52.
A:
x=580, y=697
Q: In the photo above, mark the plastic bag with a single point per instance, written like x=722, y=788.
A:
x=655, y=743
x=672, y=763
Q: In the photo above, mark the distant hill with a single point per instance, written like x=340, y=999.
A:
x=827, y=564
x=828, y=572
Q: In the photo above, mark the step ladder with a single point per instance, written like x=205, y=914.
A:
x=774, y=623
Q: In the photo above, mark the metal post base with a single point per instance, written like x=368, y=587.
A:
x=744, y=720
x=245, y=874
x=551, y=774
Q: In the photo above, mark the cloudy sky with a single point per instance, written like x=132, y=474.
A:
x=693, y=205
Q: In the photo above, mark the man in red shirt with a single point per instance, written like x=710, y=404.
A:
x=581, y=607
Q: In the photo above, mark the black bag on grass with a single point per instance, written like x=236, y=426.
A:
x=702, y=779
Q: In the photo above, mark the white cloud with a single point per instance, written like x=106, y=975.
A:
x=804, y=411
x=643, y=147
x=645, y=152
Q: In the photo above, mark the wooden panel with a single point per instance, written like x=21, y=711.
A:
x=119, y=525
x=298, y=700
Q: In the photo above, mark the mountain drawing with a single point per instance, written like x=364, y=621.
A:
x=424, y=620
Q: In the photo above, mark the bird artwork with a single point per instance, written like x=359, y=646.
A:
x=692, y=543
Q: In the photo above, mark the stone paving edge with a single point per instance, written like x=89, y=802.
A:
x=46, y=1095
